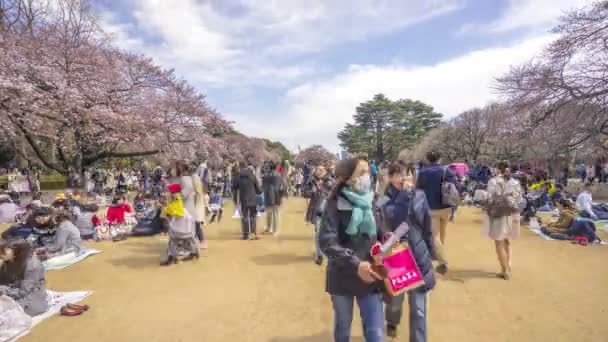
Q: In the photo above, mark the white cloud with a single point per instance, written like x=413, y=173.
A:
x=525, y=14
x=222, y=43
x=533, y=13
x=316, y=111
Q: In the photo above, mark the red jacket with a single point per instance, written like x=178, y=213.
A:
x=116, y=213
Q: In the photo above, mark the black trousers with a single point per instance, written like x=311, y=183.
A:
x=248, y=218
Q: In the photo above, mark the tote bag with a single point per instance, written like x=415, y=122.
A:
x=402, y=272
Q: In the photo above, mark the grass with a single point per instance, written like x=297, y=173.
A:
x=47, y=182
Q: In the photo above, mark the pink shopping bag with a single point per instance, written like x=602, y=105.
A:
x=402, y=271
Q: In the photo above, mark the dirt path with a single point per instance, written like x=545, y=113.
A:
x=270, y=291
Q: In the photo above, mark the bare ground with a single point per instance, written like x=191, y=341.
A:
x=270, y=291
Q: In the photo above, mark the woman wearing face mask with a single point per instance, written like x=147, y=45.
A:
x=22, y=276
x=348, y=231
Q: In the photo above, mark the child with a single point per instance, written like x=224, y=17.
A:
x=87, y=221
x=182, y=239
x=216, y=205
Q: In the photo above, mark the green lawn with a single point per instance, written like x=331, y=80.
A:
x=47, y=182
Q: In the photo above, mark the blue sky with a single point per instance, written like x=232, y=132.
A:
x=294, y=70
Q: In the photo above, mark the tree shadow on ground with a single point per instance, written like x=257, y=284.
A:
x=323, y=337
x=463, y=275
x=281, y=259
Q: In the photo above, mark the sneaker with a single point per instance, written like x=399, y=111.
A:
x=275, y=234
x=204, y=245
x=391, y=331
x=253, y=237
x=442, y=269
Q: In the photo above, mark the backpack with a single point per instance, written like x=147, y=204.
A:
x=449, y=193
x=584, y=228
x=499, y=204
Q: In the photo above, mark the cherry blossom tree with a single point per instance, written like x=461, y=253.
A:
x=73, y=99
x=569, y=78
x=317, y=154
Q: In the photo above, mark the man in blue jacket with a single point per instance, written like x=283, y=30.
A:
x=430, y=178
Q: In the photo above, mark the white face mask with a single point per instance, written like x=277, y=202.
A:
x=363, y=184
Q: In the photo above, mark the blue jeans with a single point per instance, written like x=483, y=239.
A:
x=372, y=316
x=418, y=309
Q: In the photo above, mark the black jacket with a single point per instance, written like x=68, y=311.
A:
x=274, y=189
x=411, y=207
x=246, y=188
x=344, y=252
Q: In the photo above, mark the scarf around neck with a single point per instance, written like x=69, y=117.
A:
x=362, y=218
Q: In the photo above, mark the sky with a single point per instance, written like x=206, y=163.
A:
x=295, y=70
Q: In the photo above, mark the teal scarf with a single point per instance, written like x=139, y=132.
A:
x=362, y=218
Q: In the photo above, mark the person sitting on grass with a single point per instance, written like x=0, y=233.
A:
x=584, y=202
x=560, y=229
x=182, y=241
x=87, y=220
x=8, y=209
x=545, y=203
x=22, y=277
x=67, y=238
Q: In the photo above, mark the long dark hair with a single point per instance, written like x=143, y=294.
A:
x=344, y=172
x=14, y=270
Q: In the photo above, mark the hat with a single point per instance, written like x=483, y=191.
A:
x=173, y=188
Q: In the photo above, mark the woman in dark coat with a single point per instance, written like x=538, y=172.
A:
x=348, y=232
x=274, y=189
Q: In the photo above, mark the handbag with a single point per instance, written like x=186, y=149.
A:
x=402, y=272
x=449, y=193
x=499, y=205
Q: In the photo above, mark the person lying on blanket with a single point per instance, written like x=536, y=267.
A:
x=67, y=238
x=567, y=214
x=22, y=276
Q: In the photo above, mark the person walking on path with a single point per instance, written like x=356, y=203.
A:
x=402, y=205
x=191, y=198
x=246, y=189
x=323, y=184
x=430, y=179
x=348, y=232
x=274, y=188
x=503, y=215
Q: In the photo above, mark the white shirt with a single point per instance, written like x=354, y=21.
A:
x=584, y=201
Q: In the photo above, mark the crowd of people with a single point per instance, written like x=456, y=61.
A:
x=353, y=206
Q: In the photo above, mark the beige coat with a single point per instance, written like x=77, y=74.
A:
x=199, y=200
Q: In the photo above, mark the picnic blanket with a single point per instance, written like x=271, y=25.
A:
x=536, y=230
x=599, y=224
x=64, y=261
x=56, y=301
